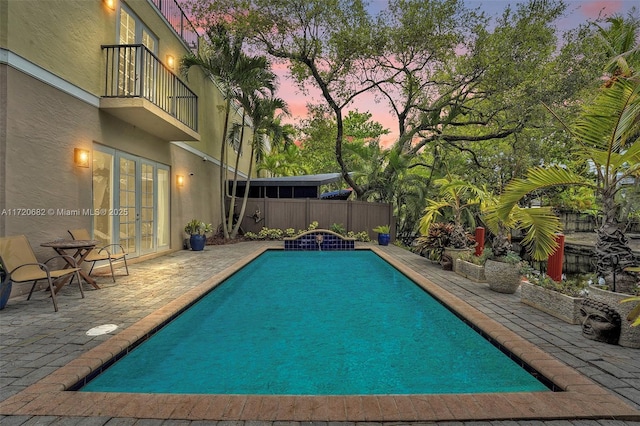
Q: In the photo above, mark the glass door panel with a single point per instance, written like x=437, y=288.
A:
x=102, y=196
x=163, y=208
x=127, y=201
x=127, y=63
x=147, y=209
x=136, y=188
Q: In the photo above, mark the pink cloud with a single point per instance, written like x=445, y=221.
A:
x=593, y=9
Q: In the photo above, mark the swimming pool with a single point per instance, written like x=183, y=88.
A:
x=348, y=323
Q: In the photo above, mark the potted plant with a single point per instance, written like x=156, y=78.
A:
x=606, y=132
x=459, y=201
x=503, y=268
x=5, y=287
x=562, y=300
x=198, y=230
x=471, y=266
x=384, y=235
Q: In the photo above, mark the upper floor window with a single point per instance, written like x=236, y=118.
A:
x=132, y=76
x=133, y=31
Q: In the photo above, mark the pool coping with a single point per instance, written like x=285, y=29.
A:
x=581, y=398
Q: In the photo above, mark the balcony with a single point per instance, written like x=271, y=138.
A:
x=140, y=90
x=178, y=20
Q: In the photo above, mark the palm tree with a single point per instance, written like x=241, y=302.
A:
x=224, y=61
x=262, y=111
x=607, y=132
x=459, y=199
x=262, y=83
x=620, y=42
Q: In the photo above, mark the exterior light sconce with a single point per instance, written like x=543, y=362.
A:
x=171, y=62
x=111, y=4
x=81, y=157
x=179, y=181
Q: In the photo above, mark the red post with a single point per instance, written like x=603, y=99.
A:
x=479, y=240
x=554, y=263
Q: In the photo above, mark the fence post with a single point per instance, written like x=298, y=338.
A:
x=479, y=240
x=554, y=263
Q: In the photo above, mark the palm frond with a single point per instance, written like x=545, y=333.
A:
x=609, y=121
x=537, y=178
x=542, y=225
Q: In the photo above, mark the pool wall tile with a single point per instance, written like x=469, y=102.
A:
x=319, y=240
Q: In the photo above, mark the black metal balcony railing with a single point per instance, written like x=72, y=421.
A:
x=133, y=71
x=173, y=13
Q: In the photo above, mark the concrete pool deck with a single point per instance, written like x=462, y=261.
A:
x=42, y=353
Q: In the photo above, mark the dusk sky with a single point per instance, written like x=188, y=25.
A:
x=578, y=11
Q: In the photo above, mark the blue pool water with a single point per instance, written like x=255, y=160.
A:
x=316, y=323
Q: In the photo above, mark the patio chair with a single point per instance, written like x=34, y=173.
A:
x=99, y=254
x=18, y=259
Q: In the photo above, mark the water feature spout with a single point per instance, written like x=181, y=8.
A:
x=319, y=239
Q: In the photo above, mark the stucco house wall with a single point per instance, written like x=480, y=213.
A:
x=52, y=79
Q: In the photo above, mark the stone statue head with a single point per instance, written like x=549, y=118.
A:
x=600, y=322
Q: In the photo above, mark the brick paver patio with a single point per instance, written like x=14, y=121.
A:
x=40, y=350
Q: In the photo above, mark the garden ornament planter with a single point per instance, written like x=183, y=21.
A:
x=502, y=277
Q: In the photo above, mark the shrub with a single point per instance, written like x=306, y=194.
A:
x=338, y=228
x=360, y=236
x=437, y=239
x=576, y=286
x=476, y=260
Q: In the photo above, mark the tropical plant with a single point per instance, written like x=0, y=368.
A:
x=338, y=228
x=433, y=244
x=382, y=229
x=574, y=287
x=198, y=227
x=608, y=133
x=476, y=260
x=540, y=226
x=459, y=200
x=262, y=112
x=634, y=315
x=224, y=60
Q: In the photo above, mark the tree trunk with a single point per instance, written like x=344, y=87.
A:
x=234, y=190
x=612, y=247
x=223, y=172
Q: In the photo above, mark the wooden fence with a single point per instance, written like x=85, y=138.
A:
x=298, y=213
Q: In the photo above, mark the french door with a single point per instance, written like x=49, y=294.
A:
x=131, y=201
x=136, y=70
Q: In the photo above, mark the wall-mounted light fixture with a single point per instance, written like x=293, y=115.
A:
x=81, y=157
x=179, y=181
x=111, y=4
x=171, y=62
